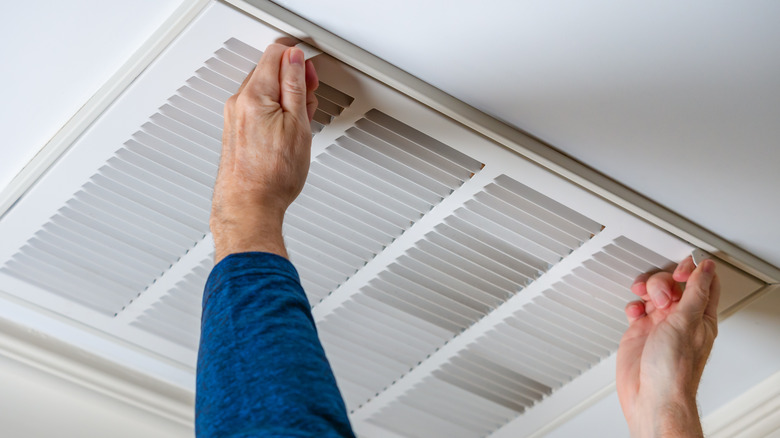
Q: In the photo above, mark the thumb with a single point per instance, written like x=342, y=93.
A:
x=293, y=83
x=699, y=290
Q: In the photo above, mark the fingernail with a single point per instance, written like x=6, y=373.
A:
x=661, y=300
x=296, y=56
x=708, y=266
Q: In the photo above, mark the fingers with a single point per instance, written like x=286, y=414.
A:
x=663, y=290
x=264, y=80
x=702, y=291
x=635, y=310
x=312, y=82
x=639, y=288
x=293, y=83
x=684, y=270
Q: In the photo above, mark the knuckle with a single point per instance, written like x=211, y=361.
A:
x=294, y=87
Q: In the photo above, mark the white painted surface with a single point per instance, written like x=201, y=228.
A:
x=678, y=101
x=36, y=404
x=55, y=57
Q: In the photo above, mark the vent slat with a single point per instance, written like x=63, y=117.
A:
x=441, y=190
x=346, y=250
x=416, y=268
x=433, y=283
x=476, y=376
x=392, y=138
x=423, y=314
x=403, y=157
x=208, y=89
x=456, y=258
x=214, y=106
x=235, y=60
x=430, y=143
x=120, y=230
x=535, y=229
x=388, y=350
x=157, y=197
x=198, y=111
x=223, y=68
x=153, y=222
x=190, y=197
x=198, y=125
x=442, y=301
x=211, y=142
x=528, y=364
x=83, y=236
x=395, y=210
x=341, y=99
x=548, y=204
x=451, y=270
x=328, y=107
x=31, y=272
x=244, y=49
x=557, y=356
x=479, y=242
x=132, y=194
x=216, y=79
x=55, y=247
x=414, y=204
x=402, y=183
x=165, y=167
x=418, y=300
x=89, y=274
x=340, y=221
x=178, y=156
x=204, y=153
x=378, y=211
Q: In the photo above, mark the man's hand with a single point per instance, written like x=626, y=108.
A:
x=662, y=354
x=266, y=149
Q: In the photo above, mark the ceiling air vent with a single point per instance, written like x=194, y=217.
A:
x=459, y=289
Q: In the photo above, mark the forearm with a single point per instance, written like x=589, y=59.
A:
x=677, y=418
x=261, y=368
x=257, y=229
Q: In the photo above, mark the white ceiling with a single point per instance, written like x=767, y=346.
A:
x=678, y=100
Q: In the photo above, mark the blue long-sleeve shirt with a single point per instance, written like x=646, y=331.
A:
x=262, y=371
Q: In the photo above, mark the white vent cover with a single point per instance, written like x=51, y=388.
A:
x=457, y=287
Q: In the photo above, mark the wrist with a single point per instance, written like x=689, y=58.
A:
x=671, y=417
x=258, y=230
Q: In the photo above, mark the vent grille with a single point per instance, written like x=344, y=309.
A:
x=561, y=333
x=479, y=257
x=362, y=193
x=176, y=316
x=149, y=204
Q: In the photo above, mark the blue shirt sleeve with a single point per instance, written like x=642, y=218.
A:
x=262, y=371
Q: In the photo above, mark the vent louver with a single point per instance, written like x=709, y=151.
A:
x=176, y=316
x=480, y=256
x=543, y=345
x=149, y=204
x=362, y=193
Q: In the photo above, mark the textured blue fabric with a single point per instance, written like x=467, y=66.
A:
x=262, y=371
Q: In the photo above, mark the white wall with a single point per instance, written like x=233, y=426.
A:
x=35, y=404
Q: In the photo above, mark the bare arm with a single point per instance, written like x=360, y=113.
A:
x=662, y=354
